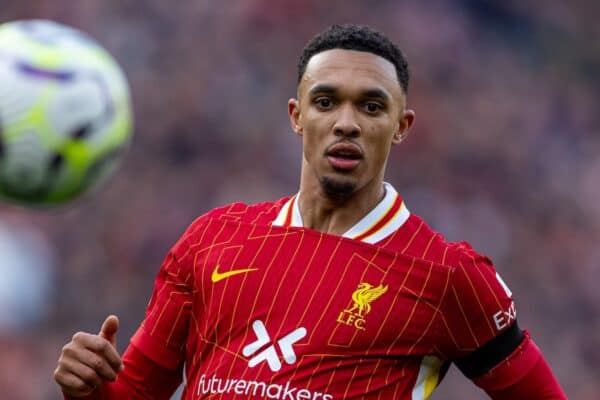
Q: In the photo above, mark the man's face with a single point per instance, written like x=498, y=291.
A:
x=350, y=110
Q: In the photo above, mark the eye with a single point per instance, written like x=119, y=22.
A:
x=324, y=103
x=372, y=107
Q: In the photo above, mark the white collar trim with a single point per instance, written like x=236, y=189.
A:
x=383, y=220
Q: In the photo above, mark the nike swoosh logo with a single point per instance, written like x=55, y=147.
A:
x=218, y=276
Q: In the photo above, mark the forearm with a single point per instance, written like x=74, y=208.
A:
x=525, y=374
x=141, y=379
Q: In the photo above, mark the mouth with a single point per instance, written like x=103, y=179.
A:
x=344, y=156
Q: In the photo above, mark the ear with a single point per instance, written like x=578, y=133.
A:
x=404, y=124
x=294, y=114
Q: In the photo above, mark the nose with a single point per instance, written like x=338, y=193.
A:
x=346, y=123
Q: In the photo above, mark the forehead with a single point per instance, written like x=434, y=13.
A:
x=349, y=68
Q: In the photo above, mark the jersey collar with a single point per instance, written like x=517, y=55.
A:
x=383, y=220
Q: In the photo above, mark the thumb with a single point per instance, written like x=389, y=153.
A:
x=109, y=329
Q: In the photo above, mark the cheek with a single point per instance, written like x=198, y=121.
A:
x=380, y=145
x=314, y=130
x=310, y=140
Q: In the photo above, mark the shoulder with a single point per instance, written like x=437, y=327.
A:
x=476, y=305
x=417, y=239
x=471, y=272
x=260, y=213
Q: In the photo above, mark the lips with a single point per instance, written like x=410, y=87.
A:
x=344, y=156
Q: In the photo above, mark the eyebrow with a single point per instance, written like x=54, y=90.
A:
x=377, y=94
x=373, y=93
x=321, y=88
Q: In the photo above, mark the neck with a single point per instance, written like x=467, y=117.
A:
x=322, y=213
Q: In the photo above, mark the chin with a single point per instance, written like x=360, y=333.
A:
x=337, y=189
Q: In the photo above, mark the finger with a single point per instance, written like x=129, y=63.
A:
x=68, y=366
x=100, y=364
x=96, y=344
x=105, y=360
x=72, y=385
x=109, y=329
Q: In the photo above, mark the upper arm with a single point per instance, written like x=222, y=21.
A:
x=477, y=309
x=163, y=332
x=483, y=339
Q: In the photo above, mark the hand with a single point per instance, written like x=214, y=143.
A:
x=88, y=360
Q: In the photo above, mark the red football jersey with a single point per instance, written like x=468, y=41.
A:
x=258, y=307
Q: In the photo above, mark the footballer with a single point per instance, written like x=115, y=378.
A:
x=335, y=292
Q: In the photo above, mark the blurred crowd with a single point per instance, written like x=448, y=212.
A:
x=505, y=153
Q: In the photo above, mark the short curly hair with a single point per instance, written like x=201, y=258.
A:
x=359, y=38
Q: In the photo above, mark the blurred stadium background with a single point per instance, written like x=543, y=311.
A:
x=505, y=153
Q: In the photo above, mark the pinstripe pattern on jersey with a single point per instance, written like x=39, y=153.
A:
x=306, y=278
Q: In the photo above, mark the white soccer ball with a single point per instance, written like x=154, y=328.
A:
x=65, y=112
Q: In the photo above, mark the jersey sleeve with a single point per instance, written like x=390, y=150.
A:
x=477, y=307
x=523, y=374
x=163, y=333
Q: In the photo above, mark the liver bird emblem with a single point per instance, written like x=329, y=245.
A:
x=364, y=295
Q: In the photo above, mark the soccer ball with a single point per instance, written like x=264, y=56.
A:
x=65, y=113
